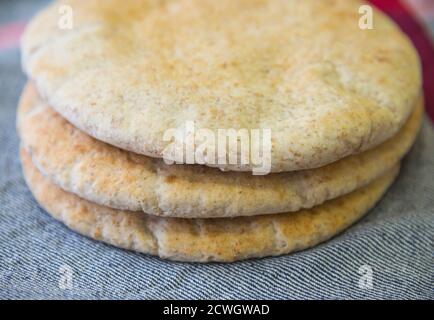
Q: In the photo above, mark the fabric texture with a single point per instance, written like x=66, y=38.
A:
x=394, y=241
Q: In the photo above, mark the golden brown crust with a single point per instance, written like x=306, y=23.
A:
x=205, y=240
x=303, y=69
x=112, y=177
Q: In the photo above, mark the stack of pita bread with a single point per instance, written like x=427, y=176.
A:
x=343, y=104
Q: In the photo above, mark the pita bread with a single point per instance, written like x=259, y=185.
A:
x=127, y=72
x=115, y=178
x=205, y=240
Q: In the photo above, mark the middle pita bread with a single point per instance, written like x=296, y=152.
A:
x=112, y=177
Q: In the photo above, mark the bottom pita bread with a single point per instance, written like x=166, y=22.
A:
x=205, y=240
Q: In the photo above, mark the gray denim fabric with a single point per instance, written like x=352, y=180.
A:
x=37, y=253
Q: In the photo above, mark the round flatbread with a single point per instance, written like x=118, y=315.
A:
x=306, y=70
x=119, y=179
x=112, y=177
x=205, y=240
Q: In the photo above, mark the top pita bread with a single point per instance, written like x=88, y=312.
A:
x=128, y=71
